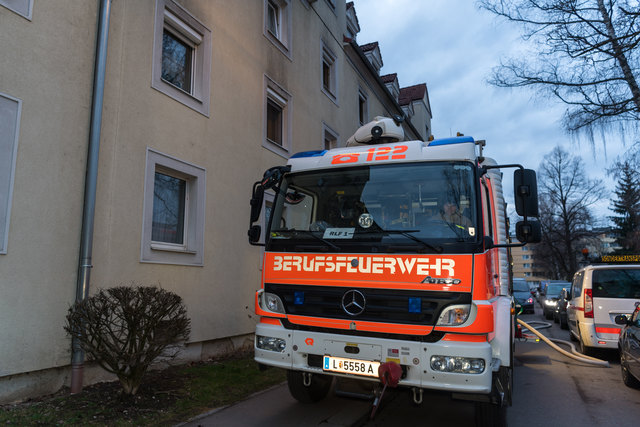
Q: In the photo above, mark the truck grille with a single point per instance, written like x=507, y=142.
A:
x=381, y=305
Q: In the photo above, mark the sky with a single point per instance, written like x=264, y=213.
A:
x=452, y=46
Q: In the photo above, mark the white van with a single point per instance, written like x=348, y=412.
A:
x=598, y=294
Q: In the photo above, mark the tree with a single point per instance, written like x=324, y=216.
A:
x=586, y=56
x=566, y=196
x=124, y=329
x=626, y=206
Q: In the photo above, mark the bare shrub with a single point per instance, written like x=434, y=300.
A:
x=124, y=329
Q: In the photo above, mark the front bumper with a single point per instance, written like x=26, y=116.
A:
x=304, y=350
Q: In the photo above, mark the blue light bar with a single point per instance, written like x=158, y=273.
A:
x=315, y=153
x=298, y=297
x=450, y=141
x=415, y=305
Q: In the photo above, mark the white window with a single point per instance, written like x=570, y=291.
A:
x=277, y=24
x=330, y=137
x=363, y=107
x=181, y=56
x=21, y=7
x=329, y=73
x=277, y=118
x=174, y=207
x=10, y=109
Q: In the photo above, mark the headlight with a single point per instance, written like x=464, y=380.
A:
x=461, y=365
x=550, y=302
x=454, y=315
x=270, y=343
x=270, y=302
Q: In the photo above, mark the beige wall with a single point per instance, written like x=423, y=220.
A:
x=47, y=63
x=49, y=67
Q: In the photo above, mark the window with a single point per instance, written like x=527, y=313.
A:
x=329, y=73
x=526, y=265
x=173, y=219
x=277, y=24
x=526, y=256
x=330, y=137
x=10, y=109
x=181, y=56
x=274, y=122
x=21, y=7
x=273, y=18
x=363, y=107
x=277, y=118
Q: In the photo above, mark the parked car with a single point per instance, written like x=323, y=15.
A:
x=560, y=311
x=629, y=347
x=599, y=293
x=551, y=296
x=542, y=289
x=522, y=296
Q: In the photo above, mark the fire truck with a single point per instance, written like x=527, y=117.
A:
x=387, y=261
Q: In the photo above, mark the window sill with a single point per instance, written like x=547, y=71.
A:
x=171, y=248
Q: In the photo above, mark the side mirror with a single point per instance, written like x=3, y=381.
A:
x=528, y=231
x=525, y=189
x=254, y=233
x=621, y=319
x=256, y=202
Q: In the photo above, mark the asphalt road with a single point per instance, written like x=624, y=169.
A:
x=549, y=390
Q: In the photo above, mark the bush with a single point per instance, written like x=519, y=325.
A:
x=124, y=329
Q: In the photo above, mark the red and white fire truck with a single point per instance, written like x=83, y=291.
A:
x=387, y=261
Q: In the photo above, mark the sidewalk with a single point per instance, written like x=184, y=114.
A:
x=275, y=407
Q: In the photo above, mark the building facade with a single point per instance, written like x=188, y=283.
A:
x=200, y=97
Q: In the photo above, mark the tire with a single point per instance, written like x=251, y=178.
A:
x=627, y=378
x=548, y=315
x=556, y=319
x=490, y=415
x=318, y=390
x=563, y=323
x=587, y=351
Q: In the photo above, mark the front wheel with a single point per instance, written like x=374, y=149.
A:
x=627, y=378
x=315, y=390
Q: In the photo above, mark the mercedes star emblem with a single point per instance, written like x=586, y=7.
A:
x=353, y=302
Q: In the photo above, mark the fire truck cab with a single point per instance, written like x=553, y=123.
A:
x=391, y=252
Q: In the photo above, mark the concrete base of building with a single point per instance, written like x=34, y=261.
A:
x=19, y=387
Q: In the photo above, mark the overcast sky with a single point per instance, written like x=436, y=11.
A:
x=451, y=45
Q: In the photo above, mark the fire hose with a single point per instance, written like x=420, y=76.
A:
x=574, y=355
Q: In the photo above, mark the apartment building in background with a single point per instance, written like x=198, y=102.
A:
x=200, y=97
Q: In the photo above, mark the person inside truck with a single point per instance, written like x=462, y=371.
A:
x=450, y=213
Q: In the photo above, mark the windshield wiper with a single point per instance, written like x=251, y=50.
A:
x=310, y=233
x=408, y=235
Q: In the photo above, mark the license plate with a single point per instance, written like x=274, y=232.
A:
x=350, y=366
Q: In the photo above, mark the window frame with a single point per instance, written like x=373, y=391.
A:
x=278, y=95
x=363, y=107
x=327, y=130
x=23, y=8
x=191, y=251
x=281, y=40
x=9, y=168
x=186, y=28
x=331, y=60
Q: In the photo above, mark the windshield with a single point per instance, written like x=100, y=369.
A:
x=520, y=286
x=555, y=289
x=404, y=207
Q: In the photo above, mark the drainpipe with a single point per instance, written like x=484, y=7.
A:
x=91, y=180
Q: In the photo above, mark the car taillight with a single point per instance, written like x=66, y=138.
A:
x=588, y=304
